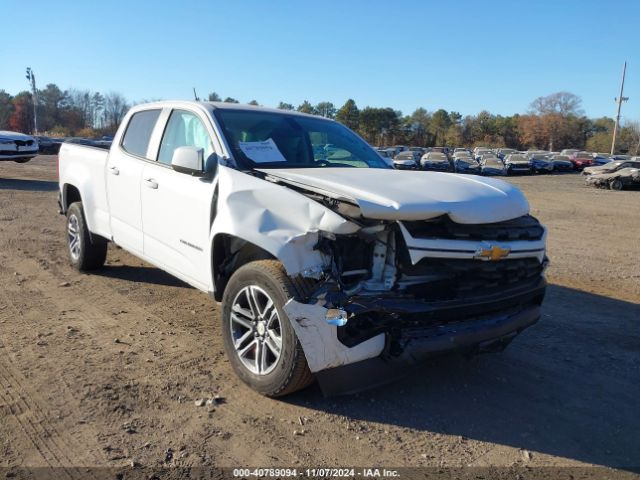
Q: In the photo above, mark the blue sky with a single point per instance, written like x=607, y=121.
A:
x=459, y=55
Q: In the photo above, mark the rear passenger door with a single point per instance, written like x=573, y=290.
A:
x=176, y=207
x=123, y=173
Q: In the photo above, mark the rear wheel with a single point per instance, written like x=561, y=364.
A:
x=22, y=160
x=86, y=251
x=258, y=337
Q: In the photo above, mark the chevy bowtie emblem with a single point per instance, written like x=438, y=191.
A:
x=494, y=252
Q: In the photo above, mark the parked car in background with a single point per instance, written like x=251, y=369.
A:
x=46, y=145
x=17, y=146
x=540, y=163
x=581, y=160
x=435, y=161
x=569, y=151
x=503, y=152
x=444, y=150
x=492, y=166
x=466, y=165
x=561, y=163
x=601, y=158
x=461, y=149
x=517, y=163
x=611, y=167
x=619, y=180
x=406, y=160
x=386, y=156
x=478, y=152
x=420, y=150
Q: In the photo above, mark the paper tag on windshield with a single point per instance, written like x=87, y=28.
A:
x=262, y=152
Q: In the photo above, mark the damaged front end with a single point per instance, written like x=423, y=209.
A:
x=397, y=292
x=399, y=276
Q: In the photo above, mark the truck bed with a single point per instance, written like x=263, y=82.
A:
x=84, y=167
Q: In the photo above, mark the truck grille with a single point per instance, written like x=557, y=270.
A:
x=521, y=228
x=461, y=278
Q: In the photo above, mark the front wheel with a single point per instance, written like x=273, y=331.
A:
x=259, y=340
x=86, y=251
x=616, y=184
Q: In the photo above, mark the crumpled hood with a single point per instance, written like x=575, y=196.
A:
x=408, y=195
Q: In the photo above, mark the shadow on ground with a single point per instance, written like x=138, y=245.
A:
x=28, y=185
x=568, y=386
x=150, y=275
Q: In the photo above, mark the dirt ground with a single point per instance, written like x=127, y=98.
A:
x=104, y=369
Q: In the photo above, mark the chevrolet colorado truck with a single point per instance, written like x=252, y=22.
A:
x=328, y=264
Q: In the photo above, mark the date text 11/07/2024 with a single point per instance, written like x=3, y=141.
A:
x=315, y=472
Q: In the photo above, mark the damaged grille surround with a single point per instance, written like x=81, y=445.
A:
x=387, y=290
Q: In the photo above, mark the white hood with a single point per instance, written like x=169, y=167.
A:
x=408, y=195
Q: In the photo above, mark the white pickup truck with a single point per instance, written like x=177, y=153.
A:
x=328, y=263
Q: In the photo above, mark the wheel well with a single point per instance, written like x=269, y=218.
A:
x=71, y=194
x=229, y=254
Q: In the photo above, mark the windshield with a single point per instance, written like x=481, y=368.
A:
x=561, y=158
x=436, y=156
x=276, y=140
x=517, y=158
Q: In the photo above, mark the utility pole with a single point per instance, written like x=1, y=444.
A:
x=32, y=81
x=620, y=99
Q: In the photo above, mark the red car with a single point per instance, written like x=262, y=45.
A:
x=581, y=160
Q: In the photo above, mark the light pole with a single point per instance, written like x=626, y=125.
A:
x=620, y=99
x=32, y=81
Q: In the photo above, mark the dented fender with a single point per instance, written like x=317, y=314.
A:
x=279, y=220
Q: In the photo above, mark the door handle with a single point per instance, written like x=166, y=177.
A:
x=114, y=170
x=151, y=183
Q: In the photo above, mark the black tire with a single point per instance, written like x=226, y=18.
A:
x=22, y=160
x=616, y=184
x=91, y=251
x=291, y=372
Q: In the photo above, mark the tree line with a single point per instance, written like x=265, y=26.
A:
x=552, y=122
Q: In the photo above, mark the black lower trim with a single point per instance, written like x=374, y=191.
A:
x=474, y=336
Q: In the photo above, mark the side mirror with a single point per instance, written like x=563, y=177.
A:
x=189, y=160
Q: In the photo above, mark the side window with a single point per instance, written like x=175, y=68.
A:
x=136, y=138
x=185, y=129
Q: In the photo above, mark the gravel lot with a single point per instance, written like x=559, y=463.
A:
x=105, y=369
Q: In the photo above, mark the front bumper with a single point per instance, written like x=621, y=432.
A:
x=484, y=334
x=387, y=333
x=18, y=155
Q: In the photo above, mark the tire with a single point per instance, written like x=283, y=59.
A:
x=264, y=280
x=22, y=160
x=86, y=251
x=616, y=184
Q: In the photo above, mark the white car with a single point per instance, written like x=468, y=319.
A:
x=334, y=267
x=17, y=146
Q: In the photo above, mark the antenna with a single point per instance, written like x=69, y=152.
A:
x=195, y=95
x=620, y=99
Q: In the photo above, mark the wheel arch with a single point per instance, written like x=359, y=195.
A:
x=229, y=253
x=70, y=194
